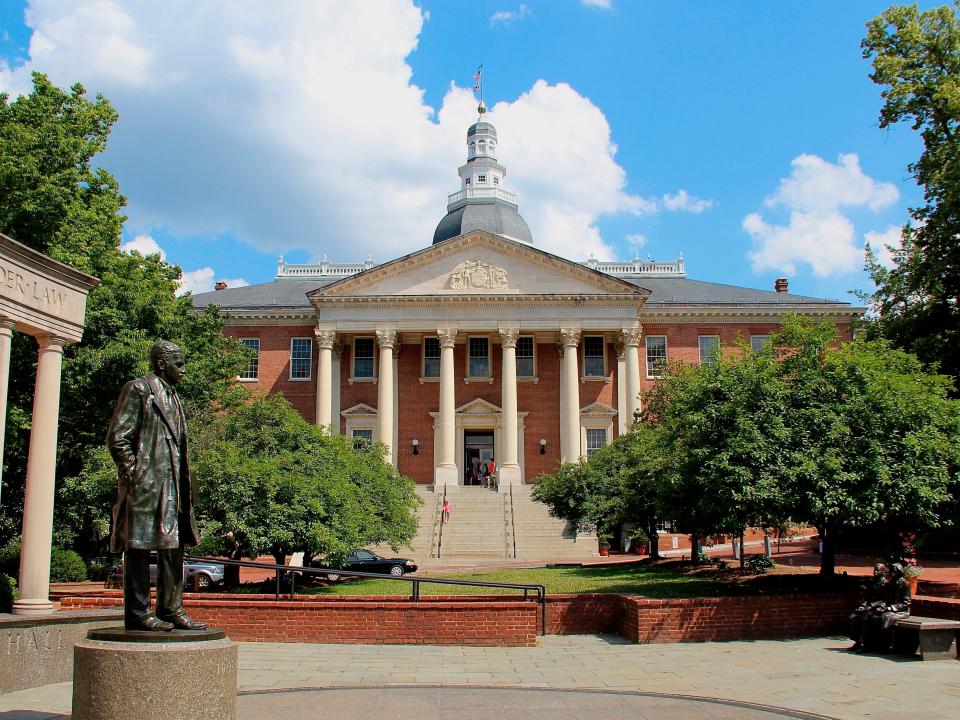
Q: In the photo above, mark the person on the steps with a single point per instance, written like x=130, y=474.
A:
x=446, y=510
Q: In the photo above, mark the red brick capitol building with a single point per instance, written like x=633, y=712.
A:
x=481, y=344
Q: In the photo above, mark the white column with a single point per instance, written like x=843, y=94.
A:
x=335, y=389
x=386, y=340
x=6, y=334
x=631, y=342
x=41, y=472
x=445, y=474
x=325, y=343
x=570, y=395
x=507, y=458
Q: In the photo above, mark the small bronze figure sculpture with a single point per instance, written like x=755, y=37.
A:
x=147, y=438
x=867, y=618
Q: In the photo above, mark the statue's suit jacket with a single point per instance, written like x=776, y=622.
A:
x=148, y=440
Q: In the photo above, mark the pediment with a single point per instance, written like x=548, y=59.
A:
x=359, y=410
x=478, y=264
x=597, y=409
x=478, y=407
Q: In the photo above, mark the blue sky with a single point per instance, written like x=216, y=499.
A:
x=740, y=134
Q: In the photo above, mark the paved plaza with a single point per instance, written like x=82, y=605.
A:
x=812, y=676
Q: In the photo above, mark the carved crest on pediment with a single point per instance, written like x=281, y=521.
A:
x=477, y=275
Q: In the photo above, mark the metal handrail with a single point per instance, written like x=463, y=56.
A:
x=540, y=590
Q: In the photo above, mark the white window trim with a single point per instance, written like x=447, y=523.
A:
x=257, y=378
x=467, y=377
x=700, y=357
x=423, y=360
x=353, y=361
x=309, y=377
x=593, y=422
x=666, y=357
x=535, y=378
x=363, y=422
x=583, y=361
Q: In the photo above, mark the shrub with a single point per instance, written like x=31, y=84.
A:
x=66, y=566
x=8, y=592
x=759, y=564
x=10, y=556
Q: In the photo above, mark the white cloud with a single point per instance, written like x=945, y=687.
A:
x=885, y=244
x=637, y=241
x=602, y=4
x=145, y=245
x=196, y=281
x=507, y=17
x=817, y=233
x=297, y=125
x=684, y=202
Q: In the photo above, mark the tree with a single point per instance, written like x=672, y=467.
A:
x=570, y=493
x=721, y=432
x=270, y=482
x=916, y=58
x=53, y=200
x=872, y=436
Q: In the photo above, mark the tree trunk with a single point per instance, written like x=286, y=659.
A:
x=695, y=548
x=231, y=573
x=653, y=538
x=828, y=558
x=743, y=555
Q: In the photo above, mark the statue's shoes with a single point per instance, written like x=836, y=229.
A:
x=150, y=623
x=182, y=621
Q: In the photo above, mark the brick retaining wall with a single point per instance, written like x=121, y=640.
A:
x=938, y=607
x=499, y=621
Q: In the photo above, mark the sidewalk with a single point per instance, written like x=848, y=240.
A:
x=811, y=675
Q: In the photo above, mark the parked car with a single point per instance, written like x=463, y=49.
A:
x=208, y=574
x=366, y=561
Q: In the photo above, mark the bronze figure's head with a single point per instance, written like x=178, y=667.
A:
x=167, y=360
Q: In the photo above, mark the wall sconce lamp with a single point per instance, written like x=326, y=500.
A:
x=543, y=446
x=416, y=446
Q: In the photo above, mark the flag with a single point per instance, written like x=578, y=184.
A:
x=476, y=78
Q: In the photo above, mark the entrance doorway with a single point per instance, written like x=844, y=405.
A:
x=477, y=446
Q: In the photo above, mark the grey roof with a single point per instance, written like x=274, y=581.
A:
x=495, y=218
x=276, y=294
x=682, y=291
x=664, y=292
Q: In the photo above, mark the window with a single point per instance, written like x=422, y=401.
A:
x=467, y=181
x=301, y=358
x=363, y=358
x=253, y=365
x=708, y=348
x=656, y=355
x=496, y=180
x=479, y=361
x=596, y=439
x=431, y=357
x=361, y=437
x=525, y=356
x=758, y=342
x=593, y=361
x=481, y=178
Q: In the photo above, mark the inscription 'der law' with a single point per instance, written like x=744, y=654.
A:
x=20, y=286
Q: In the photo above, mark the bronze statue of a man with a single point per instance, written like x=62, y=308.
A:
x=154, y=509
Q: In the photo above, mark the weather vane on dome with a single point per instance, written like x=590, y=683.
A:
x=478, y=88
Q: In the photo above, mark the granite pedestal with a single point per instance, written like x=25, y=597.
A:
x=120, y=674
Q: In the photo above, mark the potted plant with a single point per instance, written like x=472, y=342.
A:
x=639, y=541
x=912, y=572
x=604, y=543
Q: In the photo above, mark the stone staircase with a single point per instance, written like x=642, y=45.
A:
x=480, y=527
x=542, y=537
x=486, y=526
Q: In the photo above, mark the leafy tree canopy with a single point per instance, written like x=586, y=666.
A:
x=53, y=200
x=916, y=58
x=270, y=482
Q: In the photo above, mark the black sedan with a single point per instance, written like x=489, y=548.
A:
x=366, y=561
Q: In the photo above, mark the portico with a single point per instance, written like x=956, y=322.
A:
x=46, y=299
x=461, y=308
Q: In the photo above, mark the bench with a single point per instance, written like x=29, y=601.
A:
x=936, y=638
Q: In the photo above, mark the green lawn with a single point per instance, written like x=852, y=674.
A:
x=632, y=579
